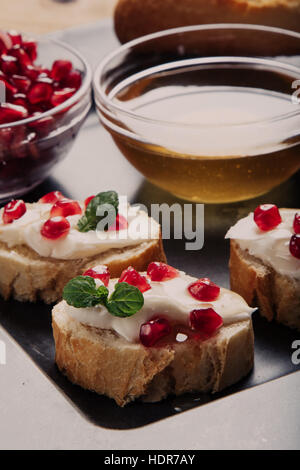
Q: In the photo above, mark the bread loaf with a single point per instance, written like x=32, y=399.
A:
x=135, y=18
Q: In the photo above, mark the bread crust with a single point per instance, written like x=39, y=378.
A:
x=276, y=295
x=135, y=18
x=26, y=276
x=103, y=362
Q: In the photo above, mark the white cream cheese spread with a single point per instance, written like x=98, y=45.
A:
x=169, y=298
x=27, y=231
x=271, y=247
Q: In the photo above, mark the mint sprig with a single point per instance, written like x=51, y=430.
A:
x=82, y=292
x=109, y=200
x=125, y=300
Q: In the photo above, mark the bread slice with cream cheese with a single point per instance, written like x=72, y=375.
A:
x=106, y=354
x=33, y=267
x=277, y=295
x=265, y=274
x=100, y=361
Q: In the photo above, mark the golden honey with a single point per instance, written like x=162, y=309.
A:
x=213, y=179
x=211, y=143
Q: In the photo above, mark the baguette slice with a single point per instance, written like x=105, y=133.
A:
x=135, y=18
x=277, y=296
x=26, y=276
x=101, y=361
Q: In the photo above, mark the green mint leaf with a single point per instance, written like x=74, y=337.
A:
x=90, y=219
x=125, y=300
x=84, y=224
x=81, y=292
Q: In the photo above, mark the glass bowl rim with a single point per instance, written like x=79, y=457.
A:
x=109, y=105
x=70, y=101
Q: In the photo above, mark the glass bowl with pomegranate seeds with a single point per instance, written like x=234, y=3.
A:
x=44, y=98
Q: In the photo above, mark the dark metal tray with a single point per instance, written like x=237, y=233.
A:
x=94, y=164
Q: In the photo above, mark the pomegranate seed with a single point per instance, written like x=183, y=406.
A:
x=73, y=80
x=161, y=272
x=88, y=200
x=119, y=224
x=34, y=150
x=3, y=49
x=19, y=99
x=154, y=330
x=9, y=64
x=13, y=211
x=15, y=37
x=267, y=217
x=61, y=69
x=11, y=113
x=31, y=72
x=65, y=207
x=40, y=108
x=21, y=82
x=19, y=143
x=43, y=126
x=6, y=136
x=204, y=289
x=205, y=320
x=56, y=227
x=295, y=246
x=60, y=96
x=44, y=72
x=99, y=272
x=30, y=47
x=22, y=56
x=31, y=144
x=9, y=88
x=51, y=198
x=132, y=277
x=296, y=224
x=41, y=91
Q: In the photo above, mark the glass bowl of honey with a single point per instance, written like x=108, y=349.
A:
x=210, y=113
